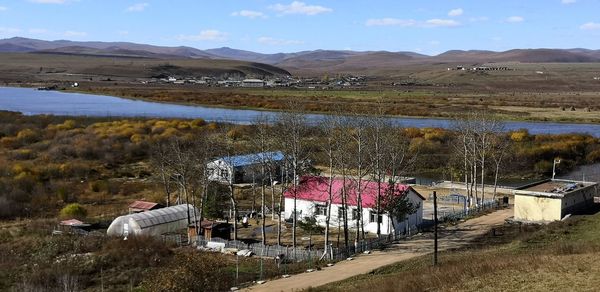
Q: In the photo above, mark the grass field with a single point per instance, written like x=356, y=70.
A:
x=416, y=102
x=561, y=256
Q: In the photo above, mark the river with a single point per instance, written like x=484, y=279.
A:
x=33, y=102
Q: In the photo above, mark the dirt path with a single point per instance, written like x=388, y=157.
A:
x=451, y=237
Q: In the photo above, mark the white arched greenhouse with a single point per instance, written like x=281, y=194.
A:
x=155, y=222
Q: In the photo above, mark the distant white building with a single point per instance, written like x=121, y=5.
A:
x=253, y=83
x=313, y=193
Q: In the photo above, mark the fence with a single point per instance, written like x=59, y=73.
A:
x=301, y=253
x=259, y=249
x=462, y=214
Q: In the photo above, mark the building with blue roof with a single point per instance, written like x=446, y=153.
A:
x=245, y=168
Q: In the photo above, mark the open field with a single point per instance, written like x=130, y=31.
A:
x=416, y=102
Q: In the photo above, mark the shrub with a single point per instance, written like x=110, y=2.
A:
x=543, y=167
x=73, y=210
x=593, y=156
x=183, y=274
x=520, y=135
x=197, y=123
x=28, y=136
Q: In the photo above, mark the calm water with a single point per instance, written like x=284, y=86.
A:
x=32, y=102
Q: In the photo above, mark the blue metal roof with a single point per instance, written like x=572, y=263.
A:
x=254, y=158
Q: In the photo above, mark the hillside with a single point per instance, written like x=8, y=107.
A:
x=18, y=44
x=312, y=62
x=51, y=66
x=556, y=257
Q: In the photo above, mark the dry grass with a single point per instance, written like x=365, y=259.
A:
x=558, y=257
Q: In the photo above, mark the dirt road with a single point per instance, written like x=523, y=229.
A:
x=451, y=237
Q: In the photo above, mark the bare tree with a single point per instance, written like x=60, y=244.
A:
x=159, y=160
x=291, y=128
x=261, y=143
x=378, y=126
x=477, y=132
x=330, y=125
x=500, y=149
x=359, y=138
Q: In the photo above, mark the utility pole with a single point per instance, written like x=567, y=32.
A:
x=435, y=230
x=556, y=161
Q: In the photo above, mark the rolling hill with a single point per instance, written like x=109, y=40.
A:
x=303, y=62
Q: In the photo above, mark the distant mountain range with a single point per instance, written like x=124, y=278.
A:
x=312, y=61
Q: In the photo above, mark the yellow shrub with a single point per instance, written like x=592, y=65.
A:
x=519, y=136
x=28, y=135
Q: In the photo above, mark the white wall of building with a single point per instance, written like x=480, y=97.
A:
x=308, y=208
x=219, y=171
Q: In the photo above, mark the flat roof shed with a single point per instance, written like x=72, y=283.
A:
x=552, y=200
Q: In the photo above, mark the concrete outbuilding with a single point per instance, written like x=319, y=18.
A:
x=552, y=200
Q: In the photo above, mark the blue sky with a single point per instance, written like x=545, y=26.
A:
x=269, y=26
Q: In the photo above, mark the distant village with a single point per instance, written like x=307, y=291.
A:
x=345, y=81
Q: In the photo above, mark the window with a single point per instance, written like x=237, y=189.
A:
x=321, y=210
x=341, y=213
x=374, y=217
x=224, y=173
x=353, y=215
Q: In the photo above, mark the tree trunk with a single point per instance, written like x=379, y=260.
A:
x=272, y=195
x=482, y=178
x=253, y=192
x=295, y=211
x=263, y=227
x=329, y=202
x=496, y=180
x=235, y=211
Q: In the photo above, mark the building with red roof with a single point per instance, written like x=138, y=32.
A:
x=143, y=206
x=313, y=192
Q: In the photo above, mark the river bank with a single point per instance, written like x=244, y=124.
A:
x=31, y=102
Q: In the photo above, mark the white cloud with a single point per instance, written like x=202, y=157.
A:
x=2, y=8
x=390, y=22
x=249, y=14
x=72, y=33
x=441, y=22
x=298, y=7
x=122, y=32
x=434, y=43
x=515, y=19
x=49, y=1
x=455, y=12
x=411, y=22
x=138, y=7
x=590, y=26
x=278, y=42
x=568, y=1
x=205, y=35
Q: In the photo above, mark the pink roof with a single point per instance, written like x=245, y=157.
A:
x=315, y=188
x=143, y=205
x=71, y=222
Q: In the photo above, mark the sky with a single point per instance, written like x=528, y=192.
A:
x=271, y=26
